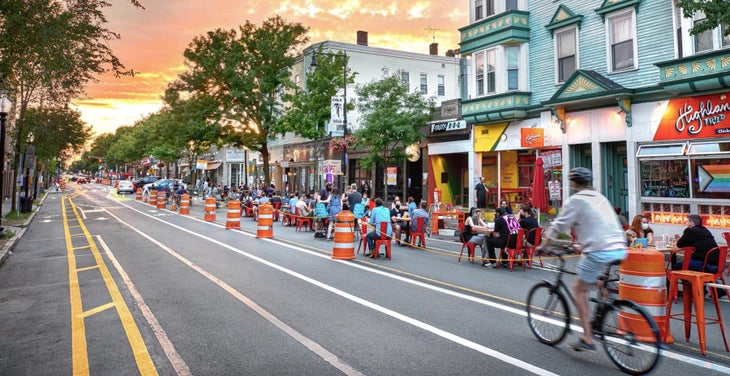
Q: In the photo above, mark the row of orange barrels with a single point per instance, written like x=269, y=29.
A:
x=343, y=245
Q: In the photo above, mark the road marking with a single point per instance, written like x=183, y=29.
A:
x=78, y=328
x=699, y=362
x=322, y=352
x=181, y=368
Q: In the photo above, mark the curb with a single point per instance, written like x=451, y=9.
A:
x=7, y=249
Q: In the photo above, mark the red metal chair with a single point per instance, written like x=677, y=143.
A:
x=516, y=252
x=302, y=221
x=471, y=248
x=530, y=251
x=277, y=205
x=383, y=240
x=717, y=275
x=419, y=233
x=363, y=241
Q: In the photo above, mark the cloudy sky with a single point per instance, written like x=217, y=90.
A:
x=154, y=39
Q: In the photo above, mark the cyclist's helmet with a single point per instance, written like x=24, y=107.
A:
x=581, y=175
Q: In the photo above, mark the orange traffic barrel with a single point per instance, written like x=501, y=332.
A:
x=139, y=194
x=209, y=209
x=233, y=215
x=643, y=280
x=434, y=222
x=161, y=197
x=153, y=198
x=185, y=204
x=265, y=223
x=343, y=246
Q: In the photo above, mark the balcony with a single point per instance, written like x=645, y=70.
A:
x=501, y=107
x=696, y=73
x=504, y=28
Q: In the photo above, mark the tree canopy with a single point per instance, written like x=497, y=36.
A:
x=717, y=12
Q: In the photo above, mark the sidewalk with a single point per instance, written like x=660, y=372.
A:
x=14, y=225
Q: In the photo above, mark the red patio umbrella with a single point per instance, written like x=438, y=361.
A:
x=538, y=188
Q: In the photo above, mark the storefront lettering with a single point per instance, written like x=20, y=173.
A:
x=706, y=115
x=448, y=126
x=531, y=138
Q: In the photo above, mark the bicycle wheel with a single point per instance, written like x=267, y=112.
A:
x=548, y=313
x=631, y=337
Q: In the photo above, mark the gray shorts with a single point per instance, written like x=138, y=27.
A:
x=592, y=264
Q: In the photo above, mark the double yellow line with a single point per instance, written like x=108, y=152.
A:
x=78, y=315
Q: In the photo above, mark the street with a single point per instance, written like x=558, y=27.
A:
x=102, y=284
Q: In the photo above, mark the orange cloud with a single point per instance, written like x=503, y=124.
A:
x=153, y=40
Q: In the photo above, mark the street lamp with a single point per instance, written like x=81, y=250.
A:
x=313, y=65
x=5, y=106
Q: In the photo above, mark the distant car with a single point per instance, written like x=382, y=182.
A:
x=141, y=182
x=81, y=180
x=125, y=186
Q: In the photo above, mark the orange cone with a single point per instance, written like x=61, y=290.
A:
x=139, y=194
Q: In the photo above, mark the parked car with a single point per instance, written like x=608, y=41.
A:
x=167, y=185
x=125, y=186
x=141, y=182
x=81, y=180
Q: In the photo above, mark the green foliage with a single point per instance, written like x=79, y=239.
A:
x=716, y=11
x=392, y=118
x=58, y=133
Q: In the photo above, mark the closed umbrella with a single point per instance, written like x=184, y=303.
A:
x=538, y=188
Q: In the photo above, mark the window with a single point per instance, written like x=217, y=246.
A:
x=480, y=73
x=406, y=78
x=703, y=40
x=490, y=7
x=491, y=71
x=513, y=68
x=442, y=86
x=664, y=178
x=510, y=5
x=621, y=39
x=725, y=38
x=565, y=52
x=424, y=83
x=478, y=10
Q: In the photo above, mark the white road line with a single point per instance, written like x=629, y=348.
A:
x=699, y=362
x=332, y=358
x=181, y=368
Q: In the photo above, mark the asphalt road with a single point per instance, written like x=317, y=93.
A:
x=105, y=285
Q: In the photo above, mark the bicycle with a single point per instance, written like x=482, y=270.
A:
x=628, y=334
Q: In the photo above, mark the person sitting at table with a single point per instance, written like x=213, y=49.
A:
x=640, y=225
x=506, y=206
x=420, y=212
x=303, y=209
x=504, y=225
x=378, y=215
x=399, y=220
x=528, y=222
x=630, y=237
x=698, y=236
x=475, y=230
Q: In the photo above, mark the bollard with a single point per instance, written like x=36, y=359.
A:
x=153, y=198
x=185, y=204
x=233, y=216
x=161, y=197
x=139, y=194
x=343, y=246
x=643, y=280
x=209, y=209
x=265, y=223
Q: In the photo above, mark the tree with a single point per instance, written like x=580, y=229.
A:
x=243, y=73
x=717, y=12
x=307, y=108
x=391, y=119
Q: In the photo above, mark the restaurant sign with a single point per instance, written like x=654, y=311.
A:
x=446, y=126
x=532, y=137
x=695, y=117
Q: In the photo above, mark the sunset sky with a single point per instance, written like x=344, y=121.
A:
x=154, y=39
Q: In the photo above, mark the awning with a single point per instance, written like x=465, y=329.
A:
x=213, y=165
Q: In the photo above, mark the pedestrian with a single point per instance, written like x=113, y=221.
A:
x=480, y=194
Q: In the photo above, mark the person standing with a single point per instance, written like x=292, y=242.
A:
x=335, y=207
x=480, y=194
x=598, y=236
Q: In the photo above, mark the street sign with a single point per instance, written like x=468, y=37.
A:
x=554, y=188
x=19, y=181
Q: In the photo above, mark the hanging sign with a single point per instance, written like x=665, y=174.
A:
x=695, y=117
x=532, y=137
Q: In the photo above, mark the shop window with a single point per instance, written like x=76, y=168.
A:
x=665, y=150
x=664, y=178
x=707, y=178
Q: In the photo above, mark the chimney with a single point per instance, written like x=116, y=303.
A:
x=451, y=53
x=362, y=38
x=433, y=48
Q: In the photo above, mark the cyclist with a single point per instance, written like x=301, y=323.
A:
x=597, y=233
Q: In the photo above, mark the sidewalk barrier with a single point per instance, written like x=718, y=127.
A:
x=185, y=204
x=209, y=209
x=161, y=197
x=153, y=198
x=233, y=216
x=343, y=246
x=139, y=194
x=643, y=280
x=265, y=223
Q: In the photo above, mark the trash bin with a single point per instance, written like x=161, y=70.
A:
x=26, y=204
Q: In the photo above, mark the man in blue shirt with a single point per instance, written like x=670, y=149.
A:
x=379, y=215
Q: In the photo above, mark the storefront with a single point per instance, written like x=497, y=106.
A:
x=683, y=165
x=450, y=168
